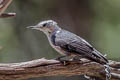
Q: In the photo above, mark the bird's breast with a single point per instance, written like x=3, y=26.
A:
x=57, y=48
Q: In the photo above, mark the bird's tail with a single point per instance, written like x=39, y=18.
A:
x=99, y=57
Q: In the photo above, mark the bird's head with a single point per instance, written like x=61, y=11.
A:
x=47, y=26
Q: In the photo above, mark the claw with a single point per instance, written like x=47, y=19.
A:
x=64, y=62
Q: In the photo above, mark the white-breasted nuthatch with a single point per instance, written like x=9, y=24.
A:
x=69, y=44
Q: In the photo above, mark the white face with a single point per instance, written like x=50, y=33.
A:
x=46, y=26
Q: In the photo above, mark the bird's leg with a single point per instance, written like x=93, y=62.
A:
x=59, y=58
x=64, y=61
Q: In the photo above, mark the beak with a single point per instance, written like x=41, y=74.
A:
x=33, y=27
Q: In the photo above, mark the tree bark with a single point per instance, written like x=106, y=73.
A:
x=43, y=67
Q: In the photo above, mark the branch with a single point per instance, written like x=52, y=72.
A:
x=3, y=6
x=43, y=67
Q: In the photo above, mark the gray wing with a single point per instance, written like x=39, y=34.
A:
x=75, y=44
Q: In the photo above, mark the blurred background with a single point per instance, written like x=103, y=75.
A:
x=97, y=21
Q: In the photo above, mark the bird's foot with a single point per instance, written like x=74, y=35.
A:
x=63, y=61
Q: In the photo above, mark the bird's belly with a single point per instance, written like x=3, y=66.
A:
x=58, y=49
x=63, y=52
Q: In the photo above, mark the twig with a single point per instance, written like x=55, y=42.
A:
x=3, y=6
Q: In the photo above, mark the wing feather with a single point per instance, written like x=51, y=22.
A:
x=75, y=44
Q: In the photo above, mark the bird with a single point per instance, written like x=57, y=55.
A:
x=69, y=44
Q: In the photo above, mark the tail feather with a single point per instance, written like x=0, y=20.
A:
x=99, y=57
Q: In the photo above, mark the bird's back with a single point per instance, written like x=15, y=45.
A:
x=74, y=44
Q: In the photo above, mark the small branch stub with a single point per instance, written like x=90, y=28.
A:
x=3, y=6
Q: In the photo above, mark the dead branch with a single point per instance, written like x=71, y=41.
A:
x=43, y=67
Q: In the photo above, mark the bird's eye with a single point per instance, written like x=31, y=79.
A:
x=44, y=25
